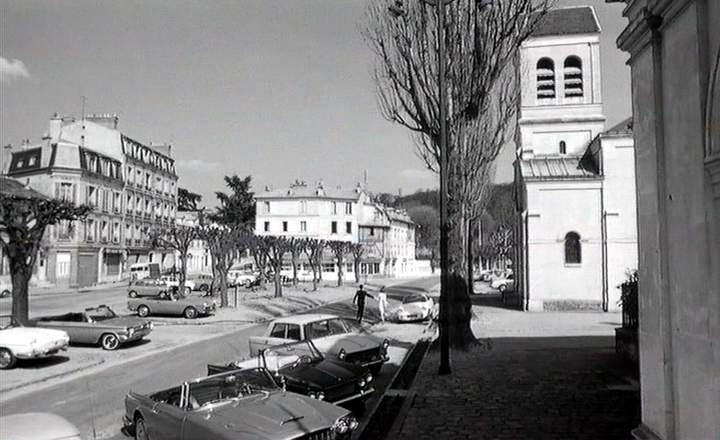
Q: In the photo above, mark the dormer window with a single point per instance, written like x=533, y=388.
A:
x=545, y=79
x=573, y=77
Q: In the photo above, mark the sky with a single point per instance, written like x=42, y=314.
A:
x=276, y=89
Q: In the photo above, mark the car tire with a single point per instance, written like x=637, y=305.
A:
x=132, y=294
x=7, y=359
x=5, y=293
x=140, y=429
x=204, y=287
x=190, y=313
x=143, y=311
x=109, y=341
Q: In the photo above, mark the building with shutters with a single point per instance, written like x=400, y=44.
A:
x=131, y=186
x=576, y=230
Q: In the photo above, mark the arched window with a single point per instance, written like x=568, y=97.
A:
x=573, y=77
x=573, y=251
x=545, y=79
x=563, y=147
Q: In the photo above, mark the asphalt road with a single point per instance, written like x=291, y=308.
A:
x=94, y=402
x=43, y=304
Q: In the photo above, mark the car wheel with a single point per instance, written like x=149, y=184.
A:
x=4, y=293
x=132, y=294
x=190, y=313
x=204, y=287
x=109, y=341
x=140, y=429
x=7, y=359
x=143, y=311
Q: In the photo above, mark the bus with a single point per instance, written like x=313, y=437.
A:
x=138, y=271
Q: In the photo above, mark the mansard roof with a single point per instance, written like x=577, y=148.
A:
x=310, y=192
x=554, y=168
x=568, y=21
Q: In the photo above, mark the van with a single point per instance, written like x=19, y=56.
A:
x=138, y=271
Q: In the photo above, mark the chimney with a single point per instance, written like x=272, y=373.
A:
x=106, y=120
x=54, y=127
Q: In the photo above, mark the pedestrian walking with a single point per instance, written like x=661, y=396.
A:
x=359, y=299
x=382, y=303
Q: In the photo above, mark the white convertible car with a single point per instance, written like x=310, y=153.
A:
x=418, y=307
x=29, y=343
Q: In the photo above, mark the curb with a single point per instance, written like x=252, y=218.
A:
x=102, y=365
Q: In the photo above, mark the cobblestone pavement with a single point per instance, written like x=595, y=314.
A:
x=524, y=384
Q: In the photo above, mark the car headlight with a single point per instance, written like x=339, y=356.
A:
x=205, y=305
x=341, y=354
x=130, y=331
x=312, y=395
x=321, y=396
x=345, y=424
x=368, y=378
x=361, y=382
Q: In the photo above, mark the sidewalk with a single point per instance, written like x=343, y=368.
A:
x=534, y=376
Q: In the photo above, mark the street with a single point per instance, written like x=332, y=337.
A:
x=94, y=402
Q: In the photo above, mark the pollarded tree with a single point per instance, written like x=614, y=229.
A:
x=178, y=238
x=260, y=259
x=224, y=243
x=358, y=251
x=314, y=250
x=275, y=249
x=339, y=249
x=296, y=246
x=24, y=216
x=481, y=87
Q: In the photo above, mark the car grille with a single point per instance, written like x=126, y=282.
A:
x=339, y=392
x=364, y=356
x=325, y=434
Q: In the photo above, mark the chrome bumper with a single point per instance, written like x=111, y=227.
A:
x=381, y=360
x=360, y=395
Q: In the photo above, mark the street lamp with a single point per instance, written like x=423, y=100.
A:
x=396, y=10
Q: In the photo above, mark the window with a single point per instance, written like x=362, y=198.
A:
x=266, y=207
x=563, y=147
x=116, y=232
x=348, y=227
x=104, y=231
x=293, y=332
x=278, y=331
x=92, y=196
x=128, y=203
x=348, y=208
x=65, y=230
x=105, y=200
x=303, y=206
x=89, y=230
x=65, y=191
x=266, y=227
x=285, y=226
x=334, y=208
x=545, y=78
x=303, y=226
x=573, y=251
x=372, y=231
x=333, y=227
x=573, y=77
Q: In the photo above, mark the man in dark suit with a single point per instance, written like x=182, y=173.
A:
x=359, y=299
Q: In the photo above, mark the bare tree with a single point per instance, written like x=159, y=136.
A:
x=358, y=251
x=339, y=249
x=481, y=85
x=314, y=250
x=24, y=216
x=275, y=249
x=224, y=243
x=178, y=238
x=260, y=259
x=296, y=246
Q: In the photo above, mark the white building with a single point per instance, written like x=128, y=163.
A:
x=198, y=259
x=575, y=183
x=340, y=214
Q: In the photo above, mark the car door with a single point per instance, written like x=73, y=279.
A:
x=166, y=419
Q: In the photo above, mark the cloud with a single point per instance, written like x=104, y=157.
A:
x=12, y=69
x=197, y=165
x=418, y=174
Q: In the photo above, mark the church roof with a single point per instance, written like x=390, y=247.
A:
x=568, y=21
x=554, y=168
x=622, y=127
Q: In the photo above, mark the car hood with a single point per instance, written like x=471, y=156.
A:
x=351, y=342
x=27, y=334
x=275, y=415
x=325, y=373
x=415, y=307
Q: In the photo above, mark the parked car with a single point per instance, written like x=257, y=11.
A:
x=29, y=343
x=37, y=426
x=202, y=281
x=239, y=404
x=167, y=304
x=174, y=281
x=242, y=278
x=5, y=287
x=304, y=370
x=419, y=307
x=334, y=336
x=98, y=325
x=146, y=287
x=504, y=283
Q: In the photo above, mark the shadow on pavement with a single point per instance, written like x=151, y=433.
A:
x=36, y=364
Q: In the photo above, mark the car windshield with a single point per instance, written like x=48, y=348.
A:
x=100, y=314
x=281, y=356
x=326, y=327
x=228, y=386
x=414, y=299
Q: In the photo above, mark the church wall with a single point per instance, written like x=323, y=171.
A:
x=544, y=138
x=556, y=208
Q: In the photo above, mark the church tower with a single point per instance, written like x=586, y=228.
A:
x=561, y=103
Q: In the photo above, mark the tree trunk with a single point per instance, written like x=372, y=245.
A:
x=183, y=272
x=340, y=264
x=20, y=275
x=295, y=265
x=315, y=277
x=278, y=281
x=357, y=271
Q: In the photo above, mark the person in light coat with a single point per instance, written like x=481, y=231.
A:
x=382, y=303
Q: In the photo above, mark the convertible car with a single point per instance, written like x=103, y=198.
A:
x=239, y=404
x=304, y=370
x=29, y=343
x=338, y=337
x=97, y=325
x=167, y=304
x=415, y=308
